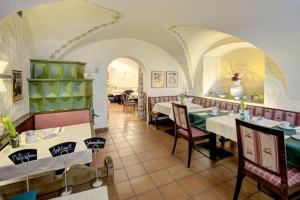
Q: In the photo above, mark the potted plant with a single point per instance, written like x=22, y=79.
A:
x=9, y=126
x=236, y=90
x=182, y=97
x=255, y=97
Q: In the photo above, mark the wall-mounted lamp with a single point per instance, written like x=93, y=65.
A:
x=3, y=76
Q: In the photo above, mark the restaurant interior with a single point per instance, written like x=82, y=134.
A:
x=142, y=100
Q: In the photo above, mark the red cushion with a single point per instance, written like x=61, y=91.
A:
x=57, y=119
x=293, y=175
x=195, y=132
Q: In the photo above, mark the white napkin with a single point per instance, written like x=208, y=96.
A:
x=286, y=137
x=202, y=113
x=224, y=111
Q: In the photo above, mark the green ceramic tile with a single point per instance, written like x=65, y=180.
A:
x=65, y=103
x=65, y=88
x=69, y=71
x=55, y=70
x=58, y=85
x=79, y=102
x=50, y=89
x=78, y=88
x=80, y=71
x=51, y=104
x=39, y=71
x=36, y=90
x=36, y=105
x=89, y=88
x=89, y=101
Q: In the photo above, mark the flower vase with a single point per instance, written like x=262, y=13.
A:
x=236, y=90
x=14, y=141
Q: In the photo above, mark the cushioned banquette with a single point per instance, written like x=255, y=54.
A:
x=268, y=113
x=152, y=101
x=55, y=119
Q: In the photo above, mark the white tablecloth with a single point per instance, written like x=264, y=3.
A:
x=45, y=162
x=225, y=125
x=93, y=194
x=166, y=108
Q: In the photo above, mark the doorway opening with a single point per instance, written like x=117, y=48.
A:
x=125, y=89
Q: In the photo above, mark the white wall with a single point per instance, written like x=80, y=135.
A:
x=99, y=55
x=16, y=47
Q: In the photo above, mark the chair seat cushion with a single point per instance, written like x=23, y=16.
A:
x=293, y=175
x=31, y=195
x=195, y=132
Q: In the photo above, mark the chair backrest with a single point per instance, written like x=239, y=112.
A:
x=128, y=92
x=125, y=97
x=22, y=156
x=181, y=117
x=262, y=147
x=62, y=148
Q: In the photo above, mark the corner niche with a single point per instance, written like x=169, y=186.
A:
x=219, y=69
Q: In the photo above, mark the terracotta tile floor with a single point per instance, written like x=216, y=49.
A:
x=145, y=168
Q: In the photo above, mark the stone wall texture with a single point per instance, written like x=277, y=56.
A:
x=17, y=48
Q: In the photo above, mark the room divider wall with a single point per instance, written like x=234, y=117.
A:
x=58, y=85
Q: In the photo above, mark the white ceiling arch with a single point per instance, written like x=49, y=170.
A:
x=270, y=25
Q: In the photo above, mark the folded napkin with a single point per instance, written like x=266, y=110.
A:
x=286, y=137
x=204, y=113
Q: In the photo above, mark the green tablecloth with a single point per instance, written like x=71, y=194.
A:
x=198, y=120
x=292, y=148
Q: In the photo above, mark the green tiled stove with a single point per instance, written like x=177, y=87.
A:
x=58, y=85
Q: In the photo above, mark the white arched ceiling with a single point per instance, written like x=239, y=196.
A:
x=195, y=42
x=270, y=25
x=221, y=50
x=65, y=23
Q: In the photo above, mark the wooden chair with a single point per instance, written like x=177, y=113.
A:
x=262, y=157
x=184, y=130
x=128, y=103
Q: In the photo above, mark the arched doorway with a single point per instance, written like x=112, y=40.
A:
x=126, y=74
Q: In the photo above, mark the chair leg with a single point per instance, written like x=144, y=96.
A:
x=284, y=193
x=238, y=185
x=174, y=145
x=156, y=123
x=190, y=153
x=258, y=186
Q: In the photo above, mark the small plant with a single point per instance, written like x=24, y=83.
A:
x=8, y=124
x=183, y=96
x=236, y=77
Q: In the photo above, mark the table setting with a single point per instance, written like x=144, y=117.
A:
x=222, y=123
x=43, y=140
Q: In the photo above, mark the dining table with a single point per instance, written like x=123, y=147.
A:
x=166, y=108
x=45, y=162
x=224, y=125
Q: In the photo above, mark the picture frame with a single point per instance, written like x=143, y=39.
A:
x=17, y=85
x=157, y=79
x=172, y=79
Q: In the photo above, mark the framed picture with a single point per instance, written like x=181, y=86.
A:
x=172, y=79
x=157, y=79
x=17, y=88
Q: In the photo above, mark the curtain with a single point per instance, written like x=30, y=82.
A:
x=141, y=97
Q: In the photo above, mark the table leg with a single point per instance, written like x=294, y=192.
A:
x=213, y=146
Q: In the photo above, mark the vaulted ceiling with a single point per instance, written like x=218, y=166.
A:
x=185, y=29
